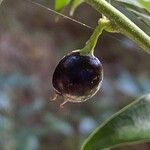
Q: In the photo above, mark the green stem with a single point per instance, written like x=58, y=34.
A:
x=91, y=43
x=125, y=26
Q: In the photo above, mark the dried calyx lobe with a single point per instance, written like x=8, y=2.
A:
x=77, y=77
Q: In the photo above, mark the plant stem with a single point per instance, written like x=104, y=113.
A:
x=103, y=23
x=125, y=25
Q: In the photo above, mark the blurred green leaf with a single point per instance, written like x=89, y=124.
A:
x=129, y=125
x=75, y=4
x=139, y=7
x=146, y=4
x=144, y=17
x=131, y=2
x=60, y=4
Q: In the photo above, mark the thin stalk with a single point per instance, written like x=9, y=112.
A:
x=91, y=43
x=125, y=25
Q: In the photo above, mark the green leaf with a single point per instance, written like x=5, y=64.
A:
x=75, y=4
x=129, y=125
x=146, y=4
x=144, y=17
x=131, y=2
x=60, y=4
x=139, y=7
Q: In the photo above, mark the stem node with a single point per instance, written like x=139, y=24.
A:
x=122, y=23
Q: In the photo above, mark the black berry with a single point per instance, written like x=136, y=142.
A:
x=77, y=77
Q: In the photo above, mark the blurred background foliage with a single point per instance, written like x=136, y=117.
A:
x=31, y=44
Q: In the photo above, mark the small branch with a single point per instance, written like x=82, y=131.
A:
x=103, y=24
x=125, y=25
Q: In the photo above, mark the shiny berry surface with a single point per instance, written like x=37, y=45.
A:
x=77, y=77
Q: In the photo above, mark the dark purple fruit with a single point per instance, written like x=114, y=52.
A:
x=77, y=77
